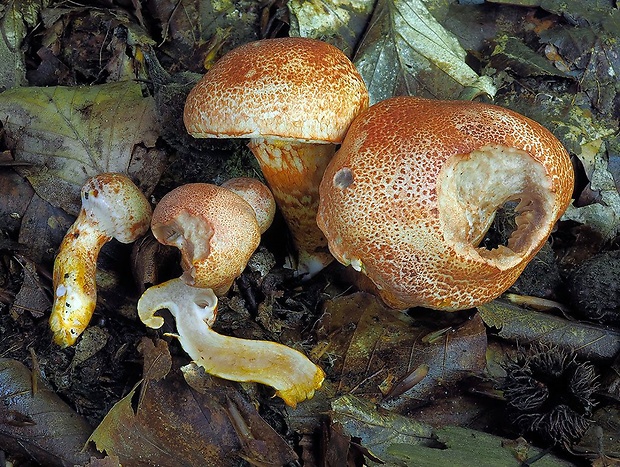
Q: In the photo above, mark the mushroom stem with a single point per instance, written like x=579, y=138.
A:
x=75, y=293
x=293, y=171
x=292, y=374
x=112, y=207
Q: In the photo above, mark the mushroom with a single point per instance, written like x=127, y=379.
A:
x=217, y=231
x=257, y=195
x=295, y=99
x=415, y=186
x=112, y=207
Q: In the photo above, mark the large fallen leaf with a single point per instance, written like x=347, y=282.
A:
x=379, y=352
x=516, y=324
x=35, y=422
x=174, y=424
x=405, y=441
x=340, y=21
x=462, y=447
x=69, y=134
x=406, y=51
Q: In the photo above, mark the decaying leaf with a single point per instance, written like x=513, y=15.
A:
x=510, y=52
x=379, y=353
x=32, y=297
x=405, y=441
x=406, y=51
x=174, y=424
x=195, y=32
x=339, y=21
x=526, y=326
x=38, y=424
x=15, y=17
x=462, y=447
x=42, y=229
x=378, y=429
x=69, y=134
x=603, y=216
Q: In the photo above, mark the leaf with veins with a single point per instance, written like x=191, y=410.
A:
x=69, y=134
x=406, y=51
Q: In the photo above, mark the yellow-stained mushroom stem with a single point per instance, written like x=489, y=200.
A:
x=293, y=171
x=112, y=207
x=289, y=372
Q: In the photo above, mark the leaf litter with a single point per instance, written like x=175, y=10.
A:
x=557, y=63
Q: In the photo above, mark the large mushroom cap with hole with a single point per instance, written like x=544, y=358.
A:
x=215, y=229
x=292, y=88
x=415, y=186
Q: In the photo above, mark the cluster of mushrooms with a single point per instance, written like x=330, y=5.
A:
x=406, y=200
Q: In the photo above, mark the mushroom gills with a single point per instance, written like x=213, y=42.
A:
x=471, y=189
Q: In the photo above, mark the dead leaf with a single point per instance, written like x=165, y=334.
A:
x=157, y=359
x=405, y=51
x=187, y=28
x=463, y=447
x=516, y=324
x=15, y=195
x=15, y=18
x=32, y=298
x=71, y=134
x=512, y=53
x=340, y=22
x=38, y=425
x=377, y=428
x=592, y=50
x=374, y=348
x=175, y=425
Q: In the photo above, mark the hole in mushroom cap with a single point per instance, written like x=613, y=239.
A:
x=343, y=178
x=473, y=187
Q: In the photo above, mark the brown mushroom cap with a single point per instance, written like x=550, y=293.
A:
x=415, y=186
x=215, y=229
x=257, y=195
x=294, y=88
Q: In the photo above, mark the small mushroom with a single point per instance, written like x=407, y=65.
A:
x=415, y=186
x=257, y=195
x=112, y=207
x=295, y=99
x=217, y=231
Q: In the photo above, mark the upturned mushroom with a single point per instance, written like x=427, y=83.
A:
x=112, y=207
x=217, y=231
x=295, y=99
x=415, y=186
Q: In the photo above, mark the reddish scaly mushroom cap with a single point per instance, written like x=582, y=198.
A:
x=415, y=186
x=215, y=229
x=290, y=88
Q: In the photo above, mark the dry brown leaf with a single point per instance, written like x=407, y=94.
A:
x=38, y=425
x=175, y=425
x=375, y=349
